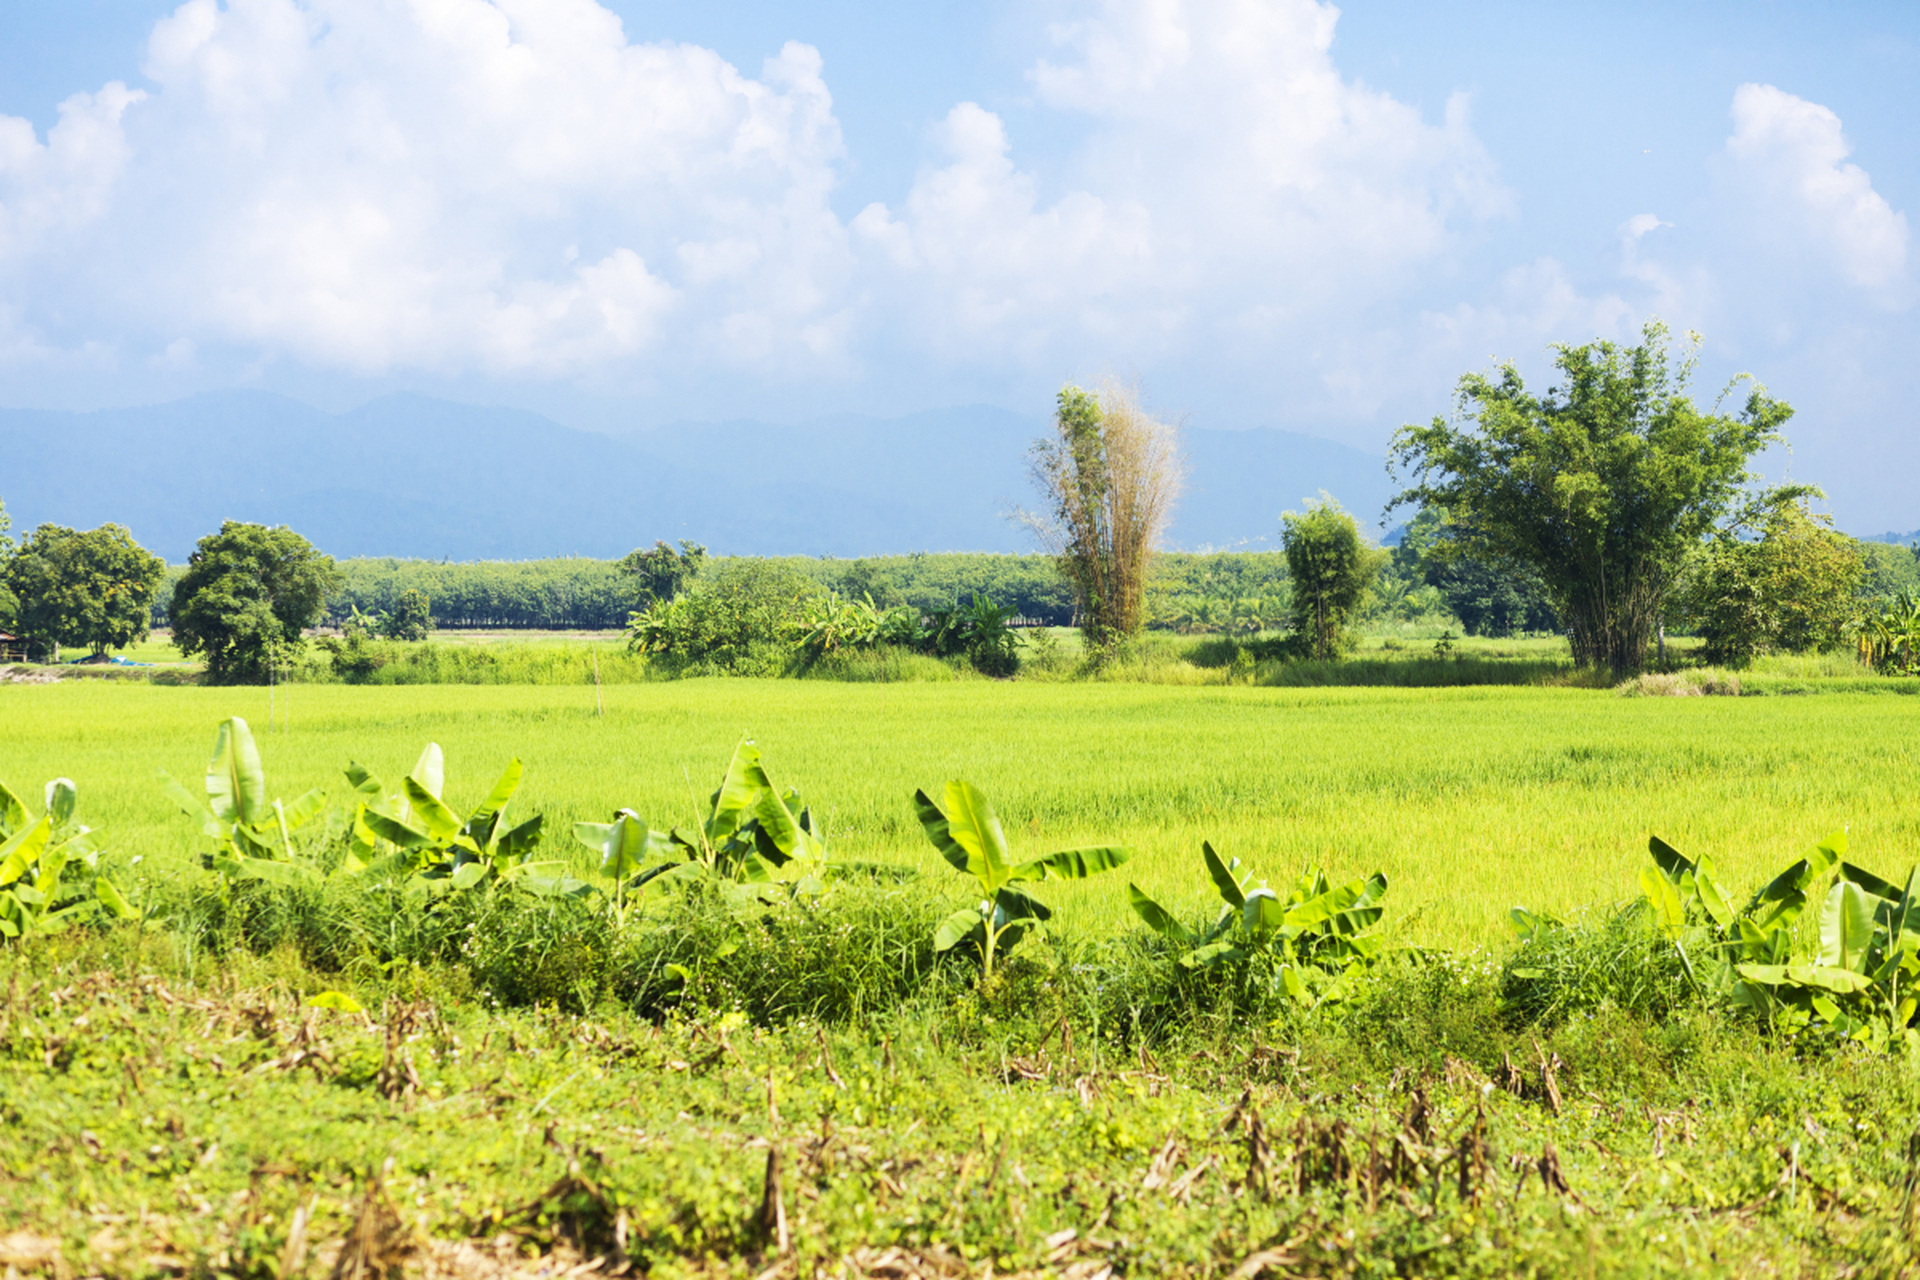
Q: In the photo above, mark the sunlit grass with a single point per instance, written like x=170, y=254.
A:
x=1470, y=799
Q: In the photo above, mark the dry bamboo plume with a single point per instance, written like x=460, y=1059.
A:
x=1110, y=476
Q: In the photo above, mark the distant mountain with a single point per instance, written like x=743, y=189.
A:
x=411, y=476
x=1898, y=539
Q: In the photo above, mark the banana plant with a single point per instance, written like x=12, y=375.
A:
x=412, y=832
x=35, y=855
x=1686, y=899
x=751, y=829
x=631, y=854
x=1859, y=982
x=1862, y=982
x=750, y=832
x=967, y=832
x=1316, y=926
x=252, y=836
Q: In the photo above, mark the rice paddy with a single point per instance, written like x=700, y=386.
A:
x=1471, y=799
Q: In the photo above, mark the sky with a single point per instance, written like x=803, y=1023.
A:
x=1263, y=212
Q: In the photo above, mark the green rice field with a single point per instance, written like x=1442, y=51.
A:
x=1471, y=800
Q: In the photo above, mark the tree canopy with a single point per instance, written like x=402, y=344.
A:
x=248, y=593
x=1790, y=589
x=93, y=588
x=1331, y=570
x=1489, y=597
x=661, y=574
x=1604, y=485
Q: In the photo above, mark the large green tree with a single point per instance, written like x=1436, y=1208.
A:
x=92, y=588
x=1331, y=570
x=248, y=593
x=1604, y=486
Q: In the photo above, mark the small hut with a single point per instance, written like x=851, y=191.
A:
x=12, y=648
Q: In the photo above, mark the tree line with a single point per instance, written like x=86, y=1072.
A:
x=1611, y=508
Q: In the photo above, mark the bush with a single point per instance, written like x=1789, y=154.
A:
x=858, y=950
x=728, y=623
x=1612, y=960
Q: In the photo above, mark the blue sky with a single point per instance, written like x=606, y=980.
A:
x=1269, y=214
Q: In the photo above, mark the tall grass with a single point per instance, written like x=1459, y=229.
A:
x=381, y=662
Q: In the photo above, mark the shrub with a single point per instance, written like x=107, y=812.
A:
x=727, y=624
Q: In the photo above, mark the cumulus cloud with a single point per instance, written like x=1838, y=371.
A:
x=1794, y=156
x=990, y=262
x=63, y=183
x=517, y=190
x=514, y=189
x=1233, y=184
x=454, y=185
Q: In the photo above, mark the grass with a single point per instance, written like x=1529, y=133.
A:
x=227, y=1129
x=1470, y=799
x=172, y=1106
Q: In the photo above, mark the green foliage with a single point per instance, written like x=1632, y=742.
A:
x=1604, y=486
x=662, y=573
x=1790, y=590
x=356, y=660
x=981, y=632
x=248, y=594
x=1304, y=944
x=729, y=623
x=252, y=836
x=828, y=624
x=591, y=595
x=1887, y=570
x=9, y=603
x=569, y=593
x=1859, y=983
x=1029, y=584
x=1331, y=570
x=93, y=589
x=750, y=831
x=1229, y=574
x=968, y=835
x=1888, y=637
x=1221, y=593
x=410, y=619
x=38, y=895
x=1489, y=597
x=410, y=834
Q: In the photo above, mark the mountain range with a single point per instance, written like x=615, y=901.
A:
x=407, y=475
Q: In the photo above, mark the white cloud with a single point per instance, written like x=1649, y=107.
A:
x=447, y=185
x=1793, y=154
x=1234, y=186
x=996, y=272
x=513, y=189
x=64, y=182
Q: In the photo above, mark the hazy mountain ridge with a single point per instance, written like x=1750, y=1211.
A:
x=407, y=475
